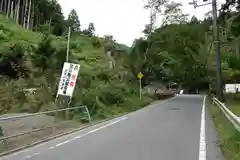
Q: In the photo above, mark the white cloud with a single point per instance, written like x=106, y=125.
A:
x=124, y=19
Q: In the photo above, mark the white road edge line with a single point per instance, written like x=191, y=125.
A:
x=36, y=154
x=42, y=144
x=30, y=156
x=80, y=136
x=92, y=131
x=77, y=137
x=202, y=141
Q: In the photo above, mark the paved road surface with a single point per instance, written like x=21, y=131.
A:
x=166, y=130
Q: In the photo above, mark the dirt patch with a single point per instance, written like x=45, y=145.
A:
x=14, y=127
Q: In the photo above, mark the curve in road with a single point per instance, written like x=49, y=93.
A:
x=165, y=130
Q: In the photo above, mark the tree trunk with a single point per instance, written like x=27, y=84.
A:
x=12, y=10
x=25, y=14
x=49, y=25
x=32, y=15
x=22, y=7
x=29, y=14
x=8, y=8
x=5, y=6
x=1, y=6
x=17, y=11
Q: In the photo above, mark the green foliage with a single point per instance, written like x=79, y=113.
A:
x=105, y=91
x=73, y=21
x=173, y=14
x=57, y=19
x=48, y=15
x=233, y=62
x=194, y=20
x=227, y=13
x=176, y=54
x=96, y=43
x=90, y=31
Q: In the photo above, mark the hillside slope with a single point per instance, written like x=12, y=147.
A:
x=30, y=60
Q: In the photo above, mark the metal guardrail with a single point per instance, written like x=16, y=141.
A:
x=235, y=120
x=13, y=118
x=47, y=112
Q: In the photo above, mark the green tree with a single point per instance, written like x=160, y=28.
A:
x=176, y=53
x=73, y=21
x=194, y=20
x=156, y=5
x=91, y=28
x=173, y=14
x=57, y=19
x=35, y=14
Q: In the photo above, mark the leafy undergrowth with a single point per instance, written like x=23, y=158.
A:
x=32, y=61
x=229, y=136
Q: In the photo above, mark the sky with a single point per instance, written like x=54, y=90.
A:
x=124, y=19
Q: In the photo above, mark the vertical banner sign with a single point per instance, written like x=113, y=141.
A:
x=68, y=79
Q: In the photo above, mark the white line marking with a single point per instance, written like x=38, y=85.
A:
x=27, y=157
x=77, y=137
x=92, y=131
x=202, y=141
x=59, y=138
x=59, y=144
x=25, y=150
x=36, y=154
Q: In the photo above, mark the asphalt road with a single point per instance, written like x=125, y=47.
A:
x=175, y=129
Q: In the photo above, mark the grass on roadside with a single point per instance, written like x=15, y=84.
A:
x=228, y=135
x=235, y=108
x=233, y=102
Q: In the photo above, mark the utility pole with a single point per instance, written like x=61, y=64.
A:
x=218, y=55
x=68, y=43
x=217, y=45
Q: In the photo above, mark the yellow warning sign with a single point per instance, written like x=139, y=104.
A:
x=140, y=75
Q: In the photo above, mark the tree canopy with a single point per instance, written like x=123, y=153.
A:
x=73, y=21
x=180, y=50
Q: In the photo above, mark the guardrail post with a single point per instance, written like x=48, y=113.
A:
x=53, y=129
x=88, y=114
x=1, y=131
x=1, y=135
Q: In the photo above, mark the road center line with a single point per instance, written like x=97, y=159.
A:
x=202, y=141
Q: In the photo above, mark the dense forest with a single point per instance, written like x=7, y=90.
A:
x=33, y=40
x=32, y=14
x=182, y=50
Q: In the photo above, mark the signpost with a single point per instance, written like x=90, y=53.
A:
x=140, y=76
x=67, y=83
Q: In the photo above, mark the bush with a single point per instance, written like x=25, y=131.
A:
x=96, y=43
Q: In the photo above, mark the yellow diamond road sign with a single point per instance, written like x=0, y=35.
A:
x=140, y=75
